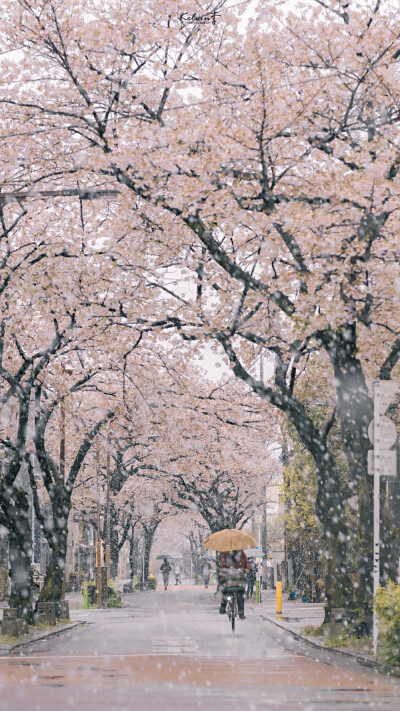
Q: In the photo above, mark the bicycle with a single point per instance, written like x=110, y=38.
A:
x=232, y=581
x=232, y=607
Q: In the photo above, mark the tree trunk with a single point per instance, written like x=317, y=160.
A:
x=355, y=412
x=332, y=515
x=148, y=542
x=390, y=530
x=114, y=546
x=53, y=584
x=133, y=555
x=20, y=553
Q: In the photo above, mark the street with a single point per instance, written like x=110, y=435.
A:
x=173, y=651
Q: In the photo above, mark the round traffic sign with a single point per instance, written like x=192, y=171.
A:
x=386, y=432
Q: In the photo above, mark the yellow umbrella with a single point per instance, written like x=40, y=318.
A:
x=229, y=540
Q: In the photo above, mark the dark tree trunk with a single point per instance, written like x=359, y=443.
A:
x=355, y=412
x=57, y=539
x=53, y=584
x=114, y=542
x=390, y=530
x=20, y=553
x=331, y=512
x=148, y=542
x=133, y=555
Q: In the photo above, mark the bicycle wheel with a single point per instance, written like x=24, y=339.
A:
x=233, y=611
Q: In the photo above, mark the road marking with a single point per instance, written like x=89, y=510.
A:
x=174, y=645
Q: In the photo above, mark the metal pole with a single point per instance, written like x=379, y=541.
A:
x=33, y=530
x=376, y=551
x=98, y=540
x=258, y=590
x=62, y=478
x=108, y=529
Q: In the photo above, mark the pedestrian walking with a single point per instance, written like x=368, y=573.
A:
x=165, y=569
x=206, y=573
x=251, y=578
x=178, y=580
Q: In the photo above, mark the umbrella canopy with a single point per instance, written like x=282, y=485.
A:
x=165, y=555
x=229, y=540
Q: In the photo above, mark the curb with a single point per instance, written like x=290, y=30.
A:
x=7, y=651
x=360, y=658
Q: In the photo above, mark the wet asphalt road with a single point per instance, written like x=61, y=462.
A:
x=172, y=651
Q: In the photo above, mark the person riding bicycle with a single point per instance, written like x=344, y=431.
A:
x=238, y=561
x=165, y=569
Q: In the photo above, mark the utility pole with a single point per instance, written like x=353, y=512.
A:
x=62, y=477
x=108, y=528
x=62, y=458
x=382, y=461
x=264, y=559
x=98, y=539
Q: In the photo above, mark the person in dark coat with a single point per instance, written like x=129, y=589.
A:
x=238, y=561
x=165, y=569
x=251, y=577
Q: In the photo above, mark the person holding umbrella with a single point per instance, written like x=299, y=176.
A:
x=236, y=560
x=231, y=543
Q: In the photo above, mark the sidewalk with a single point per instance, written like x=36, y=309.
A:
x=297, y=615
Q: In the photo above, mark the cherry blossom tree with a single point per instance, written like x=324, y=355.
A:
x=258, y=175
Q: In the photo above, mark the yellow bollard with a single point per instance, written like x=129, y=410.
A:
x=278, y=598
x=258, y=591
x=85, y=596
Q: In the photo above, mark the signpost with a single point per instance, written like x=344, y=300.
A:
x=382, y=461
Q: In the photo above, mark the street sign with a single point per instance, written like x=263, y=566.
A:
x=272, y=509
x=386, y=431
x=387, y=391
x=382, y=461
x=386, y=462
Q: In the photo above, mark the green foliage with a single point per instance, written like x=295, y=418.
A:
x=113, y=600
x=312, y=631
x=336, y=641
x=303, y=529
x=152, y=582
x=6, y=639
x=306, y=533
x=387, y=606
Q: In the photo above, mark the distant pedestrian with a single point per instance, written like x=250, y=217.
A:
x=251, y=578
x=178, y=580
x=206, y=573
x=165, y=569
